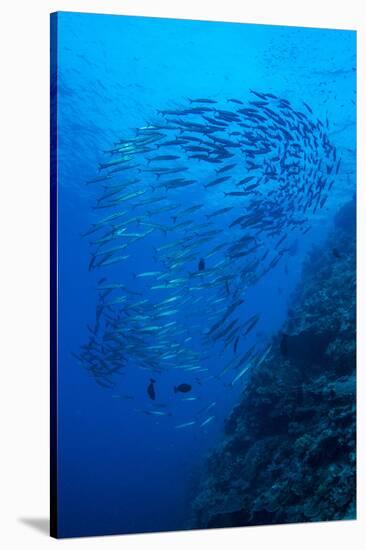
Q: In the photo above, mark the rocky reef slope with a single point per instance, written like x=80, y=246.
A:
x=288, y=453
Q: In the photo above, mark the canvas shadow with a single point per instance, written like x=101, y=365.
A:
x=42, y=525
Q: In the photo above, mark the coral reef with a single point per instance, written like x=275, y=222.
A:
x=289, y=449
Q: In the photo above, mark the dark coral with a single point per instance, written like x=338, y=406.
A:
x=289, y=449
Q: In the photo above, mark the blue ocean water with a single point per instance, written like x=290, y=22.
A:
x=122, y=467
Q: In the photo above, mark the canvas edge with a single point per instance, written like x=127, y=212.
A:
x=53, y=280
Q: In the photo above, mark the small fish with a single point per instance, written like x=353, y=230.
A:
x=148, y=274
x=158, y=413
x=163, y=157
x=205, y=422
x=206, y=409
x=219, y=212
x=232, y=100
x=241, y=373
x=245, y=180
x=185, y=425
x=225, y=168
x=202, y=100
x=201, y=265
x=151, y=389
x=125, y=397
x=235, y=194
x=308, y=108
x=190, y=399
x=183, y=388
x=250, y=323
x=217, y=181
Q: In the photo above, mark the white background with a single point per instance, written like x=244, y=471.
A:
x=24, y=258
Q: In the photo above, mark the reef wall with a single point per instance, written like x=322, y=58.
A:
x=289, y=449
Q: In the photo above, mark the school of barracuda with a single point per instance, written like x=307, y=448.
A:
x=255, y=172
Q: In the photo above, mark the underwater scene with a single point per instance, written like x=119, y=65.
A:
x=206, y=274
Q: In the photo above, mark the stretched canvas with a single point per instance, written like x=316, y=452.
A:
x=202, y=274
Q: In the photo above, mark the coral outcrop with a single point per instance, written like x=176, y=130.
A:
x=289, y=450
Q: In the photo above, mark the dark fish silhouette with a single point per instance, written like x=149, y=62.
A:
x=201, y=265
x=151, y=389
x=336, y=253
x=183, y=388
